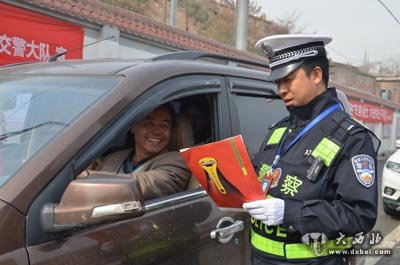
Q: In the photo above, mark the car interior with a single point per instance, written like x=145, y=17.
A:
x=192, y=126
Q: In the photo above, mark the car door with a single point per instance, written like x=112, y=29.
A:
x=254, y=106
x=174, y=229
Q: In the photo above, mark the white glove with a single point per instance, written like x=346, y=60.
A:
x=269, y=211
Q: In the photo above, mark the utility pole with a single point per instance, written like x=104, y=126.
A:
x=186, y=13
x=241, y=32
x=164, y=11
x=172, y=14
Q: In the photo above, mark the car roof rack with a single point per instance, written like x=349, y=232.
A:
x=19, y=63
x=194, y=55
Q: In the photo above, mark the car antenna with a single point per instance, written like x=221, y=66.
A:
x=54, y=57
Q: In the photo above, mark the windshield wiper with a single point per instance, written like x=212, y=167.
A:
x=10, y=134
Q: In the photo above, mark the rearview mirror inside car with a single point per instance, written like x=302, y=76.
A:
x=94, y=199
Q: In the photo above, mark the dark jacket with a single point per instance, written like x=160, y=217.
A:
x=343, y=197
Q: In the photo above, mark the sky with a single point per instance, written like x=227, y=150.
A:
x=359, y=28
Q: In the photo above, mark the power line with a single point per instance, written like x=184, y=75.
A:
x=390, y=12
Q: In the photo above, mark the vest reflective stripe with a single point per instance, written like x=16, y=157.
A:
x=327, y=150
x=276, y=136
x=295, y=250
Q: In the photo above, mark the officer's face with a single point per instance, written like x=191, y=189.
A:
x=298, y=88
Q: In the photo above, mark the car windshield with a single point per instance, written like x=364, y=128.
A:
x=33, y=110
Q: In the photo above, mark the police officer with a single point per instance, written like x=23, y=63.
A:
x=319, y=164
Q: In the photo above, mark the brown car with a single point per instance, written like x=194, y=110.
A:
x=58, y=118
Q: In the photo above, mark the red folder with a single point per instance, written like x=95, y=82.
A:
x=225, y=171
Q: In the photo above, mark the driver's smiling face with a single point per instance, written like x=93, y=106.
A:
x=152, y=133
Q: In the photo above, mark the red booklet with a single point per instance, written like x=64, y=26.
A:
x=225, y=171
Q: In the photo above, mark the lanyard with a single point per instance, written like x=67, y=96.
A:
x=314, y=122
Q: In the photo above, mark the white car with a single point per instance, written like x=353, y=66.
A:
x=391, y=183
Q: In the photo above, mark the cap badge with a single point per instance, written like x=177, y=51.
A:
x=267, y=49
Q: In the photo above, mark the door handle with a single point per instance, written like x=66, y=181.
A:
x=226, y=228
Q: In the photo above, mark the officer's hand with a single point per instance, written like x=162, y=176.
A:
x=269, y=211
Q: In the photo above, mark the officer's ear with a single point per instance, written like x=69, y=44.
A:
x=316, y=75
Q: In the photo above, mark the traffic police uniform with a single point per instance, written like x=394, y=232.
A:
x=325, y=174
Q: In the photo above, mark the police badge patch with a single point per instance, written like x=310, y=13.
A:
x=364, y=167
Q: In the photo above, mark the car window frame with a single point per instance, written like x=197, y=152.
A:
x=250, y=88
x=163, y=92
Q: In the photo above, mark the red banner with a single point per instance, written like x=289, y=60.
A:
x=370, y=113
x=29, y=36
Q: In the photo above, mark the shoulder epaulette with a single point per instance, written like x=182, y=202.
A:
x=278, y=123
x=348, y=125
x=353, y=126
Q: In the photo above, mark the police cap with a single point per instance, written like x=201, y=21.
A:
x=286, y=53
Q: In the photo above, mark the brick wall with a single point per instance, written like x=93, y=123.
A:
x=351, y=76
x=390, y=84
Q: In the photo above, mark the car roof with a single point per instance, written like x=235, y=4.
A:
x=88, y=67
x=121, y=66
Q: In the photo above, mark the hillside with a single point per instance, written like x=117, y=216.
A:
x=208, y=18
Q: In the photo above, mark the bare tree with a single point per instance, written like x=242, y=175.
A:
x=389, y=67
x=290, y=22
x=260, y=26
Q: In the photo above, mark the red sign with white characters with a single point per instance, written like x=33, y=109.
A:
x=29, y=36
x=370, y=113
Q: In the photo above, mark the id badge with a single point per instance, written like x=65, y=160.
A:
x=270, y=180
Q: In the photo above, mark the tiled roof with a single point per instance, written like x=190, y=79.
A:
x=137, y=25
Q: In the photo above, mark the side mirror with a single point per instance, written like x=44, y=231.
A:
x=398, y=144
x=94, y=200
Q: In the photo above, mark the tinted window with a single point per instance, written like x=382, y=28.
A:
x=35, y=109
x=256, y=114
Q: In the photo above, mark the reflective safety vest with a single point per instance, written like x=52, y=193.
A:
x=327, y=149
x=297, y=250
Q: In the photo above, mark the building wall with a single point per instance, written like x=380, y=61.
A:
x=350, y=76
x=366, y=83
x=393, y=86
x=131, y=48
x=91, y=35
x=388, y=144
x=342, y=75
x=120, y=46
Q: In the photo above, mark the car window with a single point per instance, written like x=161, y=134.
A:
x=35, y=109
x=193, y=125
x=256, y=114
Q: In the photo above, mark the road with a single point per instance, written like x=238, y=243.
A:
x=385, y=223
